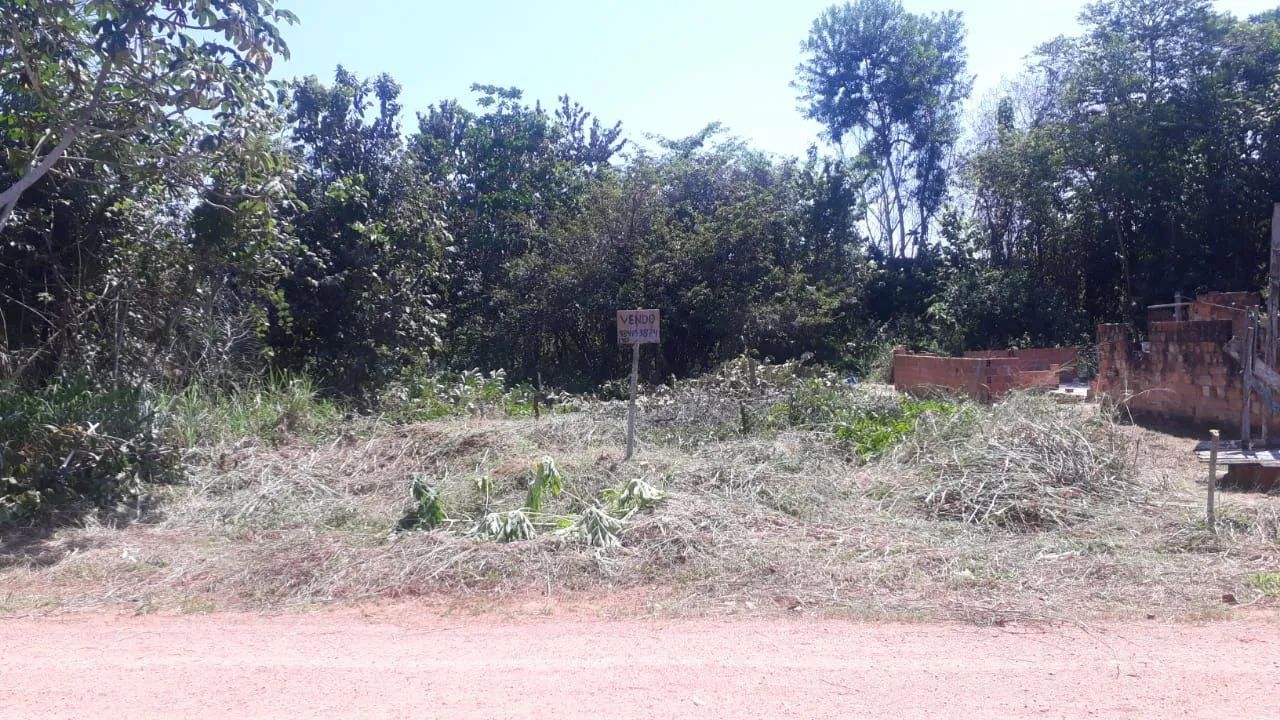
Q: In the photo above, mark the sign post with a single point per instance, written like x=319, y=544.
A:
x=636, y=327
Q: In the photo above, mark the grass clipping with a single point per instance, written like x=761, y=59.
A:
x=1027, y=463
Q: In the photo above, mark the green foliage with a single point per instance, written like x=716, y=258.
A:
x=507, y=175
x=634, y=496
x=273, y=409
x=872, y=434
x=427, y=511
x=72, y=445
x=508, y=526
x=1268, y=583
x=868, y=420
x=425, y=396
x=546, y=479
x=893, y=82
x=1128, y=163
x=363, y=300
x=80, y=74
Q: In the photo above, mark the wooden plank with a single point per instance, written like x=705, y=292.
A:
x=1269, y=378
x=1266, y=458
x=1246, y=370
x=1213, y=478
x=1273, y=308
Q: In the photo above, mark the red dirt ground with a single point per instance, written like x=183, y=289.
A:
x=404, y=661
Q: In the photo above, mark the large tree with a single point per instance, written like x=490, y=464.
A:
x=76, y=72
x=1132, y=162
x=507, y=173
x=890, y=84
x=363, y=299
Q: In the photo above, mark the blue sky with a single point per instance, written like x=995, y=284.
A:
x=660, y=66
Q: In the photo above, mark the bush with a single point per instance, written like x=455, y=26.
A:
x=430, y=396
x=272, y=409
x=868, y=418
x=70, y=445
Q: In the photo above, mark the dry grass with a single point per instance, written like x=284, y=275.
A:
x=779, y=519
x=1027, y=463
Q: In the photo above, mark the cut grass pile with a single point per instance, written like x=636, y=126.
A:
x=1027, y=463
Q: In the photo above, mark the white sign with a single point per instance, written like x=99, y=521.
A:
x=638, y=326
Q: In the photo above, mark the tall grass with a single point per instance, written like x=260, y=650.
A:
x=71, y=444
x=271, y=409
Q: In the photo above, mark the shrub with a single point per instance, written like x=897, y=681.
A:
x=870, y=419
x=271, y=409
x=470, y=392
x=70, y=445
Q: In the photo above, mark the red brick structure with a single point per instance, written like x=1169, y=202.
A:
x=1035, y=359
x=983, y=375
x=1184, y=373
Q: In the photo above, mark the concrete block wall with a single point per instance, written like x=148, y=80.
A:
x=1037, y=359
x=982, y=375
x=1229, y=306
x=1186, y=376
x=916, y=372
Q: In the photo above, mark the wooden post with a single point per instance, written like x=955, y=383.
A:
x=537, y=396
x=751, y=363
x=1247, y=354
x=631, y=409
x=1177, y=306
x=1273, y=311
x=1213, y=480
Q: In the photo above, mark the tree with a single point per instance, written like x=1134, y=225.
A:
x=1139, y=161
x=891, y=83
x=363, y=300
x=507, y=174
x=125, y=72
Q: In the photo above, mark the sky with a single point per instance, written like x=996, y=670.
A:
x=666, y=67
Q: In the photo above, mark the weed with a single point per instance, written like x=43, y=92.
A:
x=427, y=511
x=279, y=406
x=73, y=445
x=871, y=434
x=1268, y=583
x=425, y=396
x=506, y=526
x=546, y=479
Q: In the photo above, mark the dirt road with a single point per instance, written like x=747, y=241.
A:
x=406, y=662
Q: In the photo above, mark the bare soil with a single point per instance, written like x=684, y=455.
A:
x=403, y=660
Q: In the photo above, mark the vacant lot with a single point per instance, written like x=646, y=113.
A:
x=798, y=495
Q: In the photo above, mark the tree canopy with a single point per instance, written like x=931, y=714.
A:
x=172, y=216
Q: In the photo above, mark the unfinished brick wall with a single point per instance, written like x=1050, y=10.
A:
x=1065, y=359
x=982, y=375
x=1229, y=306
x=922, y=372
x=1185, y=376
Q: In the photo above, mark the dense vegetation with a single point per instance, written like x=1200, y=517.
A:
x=170, y=218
